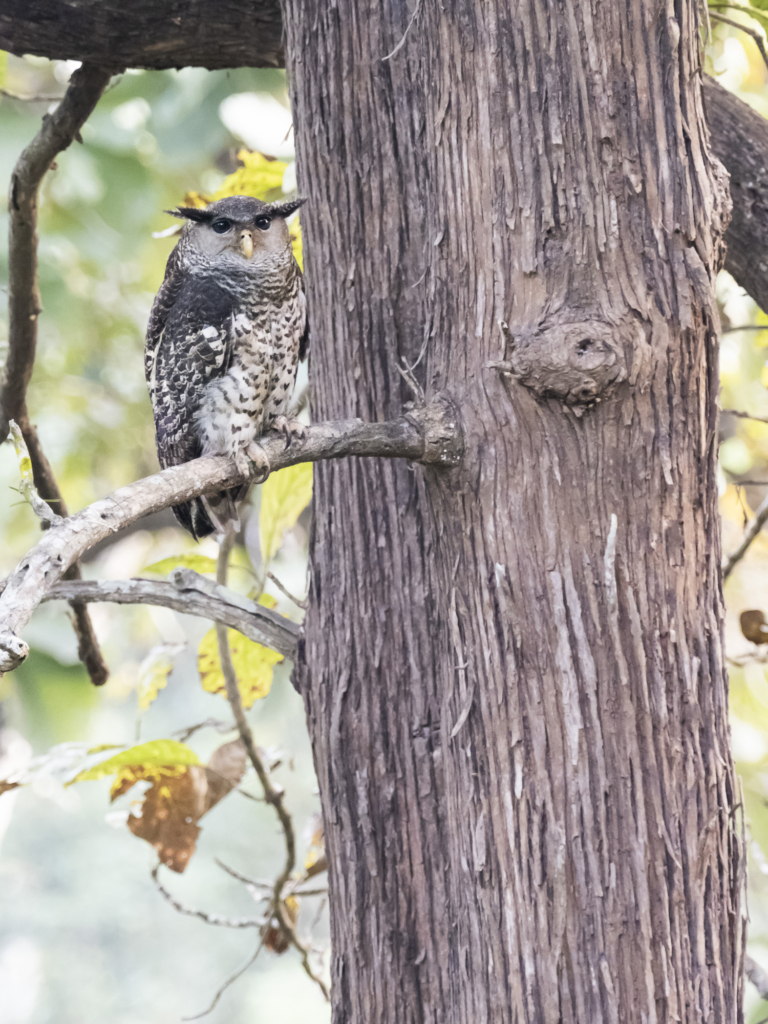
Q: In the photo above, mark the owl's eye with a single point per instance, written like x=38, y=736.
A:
x=263, y=223
x=220, y=226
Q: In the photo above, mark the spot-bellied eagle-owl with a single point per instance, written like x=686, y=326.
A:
x=226, y=333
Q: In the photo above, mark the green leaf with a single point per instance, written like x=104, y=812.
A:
x=200, y=563
x=154, y=672
x=284, y=497
x=163, y=753
x=254, y=665
x=258, y=177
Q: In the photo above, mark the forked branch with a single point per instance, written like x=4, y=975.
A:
x=430, y=435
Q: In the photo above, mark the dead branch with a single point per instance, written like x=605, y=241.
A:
x=57, y=132
x=272, y=794
x=431, y=435
x=217, y=919
x=233, y=610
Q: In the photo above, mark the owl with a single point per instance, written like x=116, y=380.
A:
x=226, y=333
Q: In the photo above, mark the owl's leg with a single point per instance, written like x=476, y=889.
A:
x=256, y=461
x=292, y=430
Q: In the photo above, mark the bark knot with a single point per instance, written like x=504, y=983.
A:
x=577, y=361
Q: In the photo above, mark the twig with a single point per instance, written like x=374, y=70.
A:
x=59, y=129
x=746, y=416
x=252, y=620
x=272, y=794
x=209, y=723
x=42, y=509
x=401, y=44
x=743, y=28
x=751, y=532
x=745, y=327
x=286, y=593
x=230, y=981
x=217, y=919
x=757, y=975
x=430, y=435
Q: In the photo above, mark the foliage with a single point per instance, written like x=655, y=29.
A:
x=254, y=664
x=284, y=497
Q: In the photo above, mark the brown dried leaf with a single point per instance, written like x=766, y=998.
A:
x=274, y=937
x=226, y=768
x=754, y=627
x=171, y=808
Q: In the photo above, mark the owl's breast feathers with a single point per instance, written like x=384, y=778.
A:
x=217, y=360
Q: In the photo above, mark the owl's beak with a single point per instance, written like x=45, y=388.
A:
x=246, y=244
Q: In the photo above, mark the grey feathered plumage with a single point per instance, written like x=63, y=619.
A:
x=226, y=332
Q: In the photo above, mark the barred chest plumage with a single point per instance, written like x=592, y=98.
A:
x=257, y=388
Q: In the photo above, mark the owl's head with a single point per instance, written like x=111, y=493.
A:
x=242, y=231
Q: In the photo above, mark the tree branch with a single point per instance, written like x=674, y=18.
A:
x=147, y=33
x=751, y=532
x=429, y=435
x=757, y=975
x=183, y=595
x=272, y=794
x=217, y=919
x=57, y=132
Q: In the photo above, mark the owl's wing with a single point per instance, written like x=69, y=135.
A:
x=195, y=347
x=304, y=343
x=161, y=307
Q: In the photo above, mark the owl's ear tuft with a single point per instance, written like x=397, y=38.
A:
x=284, y=209
x=191, y=213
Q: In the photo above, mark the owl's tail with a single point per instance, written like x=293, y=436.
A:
x=204, y=516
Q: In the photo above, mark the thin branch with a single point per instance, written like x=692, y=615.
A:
x=286, y=593
x=751, y=532
x=59, y=129
x=272, y=793
x=742, y=28
x=252, y=620
x=745, y=327
x=230, y=981
x=217, y=919
x=746, y=416
x=210, y=723
x=431, y=435
x=757, y=975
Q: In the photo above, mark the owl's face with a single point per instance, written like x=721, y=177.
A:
x=239, y=231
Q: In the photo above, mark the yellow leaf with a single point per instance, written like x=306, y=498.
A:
x=200, y=563
x=258, y=177
x=284, y=497
x=254, y=666
x=197, y=199
x=294, y=230
x=154, y=672
x=131, y=774
x=157, y=752
x=3, y=68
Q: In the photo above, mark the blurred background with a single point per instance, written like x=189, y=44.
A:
x=84, y=935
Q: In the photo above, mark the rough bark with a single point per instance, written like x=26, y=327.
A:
x=514, y=672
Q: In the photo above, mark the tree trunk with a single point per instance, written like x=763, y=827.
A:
x=514, y=670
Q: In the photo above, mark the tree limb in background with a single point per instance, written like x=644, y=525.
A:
x=58, y=131
x=751, y=532
x=757, y=976
x=273, y=794
x=429, y=435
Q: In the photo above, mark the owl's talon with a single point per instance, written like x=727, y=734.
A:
x=259, y=462
x=292, y=430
